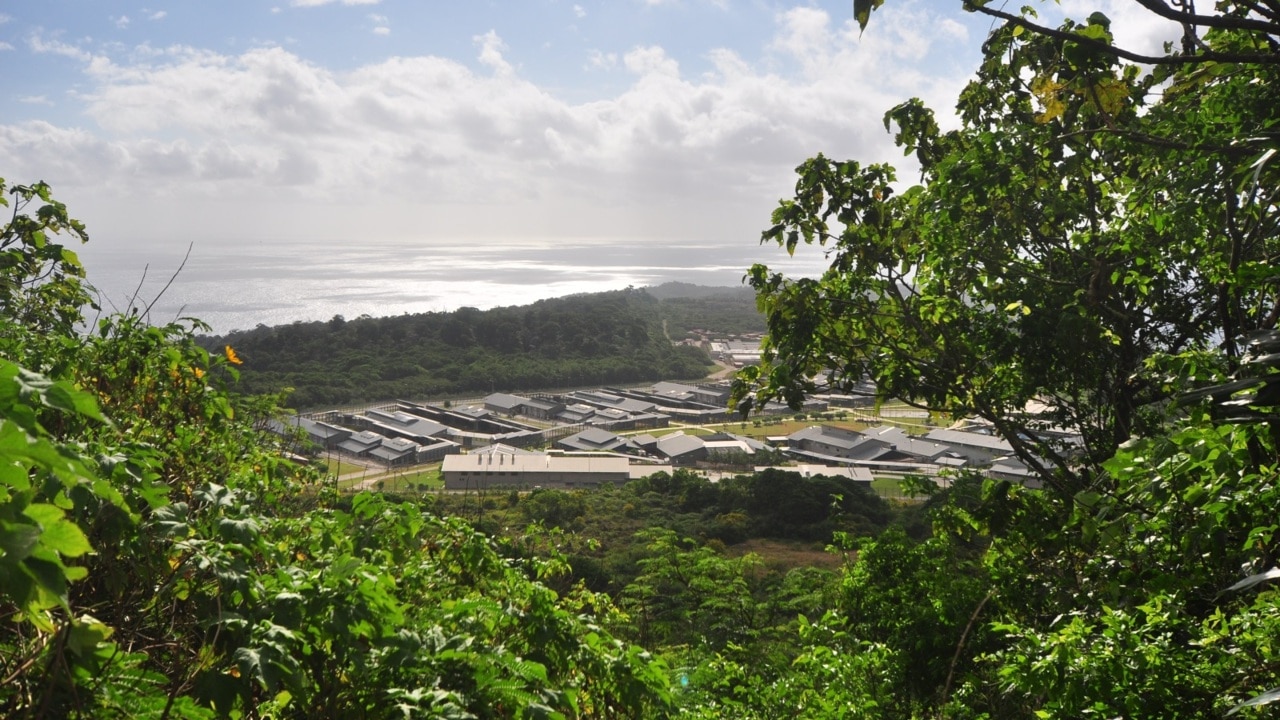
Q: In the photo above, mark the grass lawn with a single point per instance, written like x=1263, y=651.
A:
x=887, y=487
x=408, y=479
x=411, y=478
x=338, y=468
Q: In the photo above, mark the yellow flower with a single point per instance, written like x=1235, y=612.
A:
x=232, y=357
x=199, y=373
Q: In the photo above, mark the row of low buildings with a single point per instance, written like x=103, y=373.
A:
x=408, y=433
x=818, y=449
x=505, y=425
x=677, y=448
x=632, y=408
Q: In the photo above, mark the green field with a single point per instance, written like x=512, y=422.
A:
x=338, y=468
x=411, y=479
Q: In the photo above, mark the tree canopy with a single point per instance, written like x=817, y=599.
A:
x=1094, y=236
x=1091, y=253
x=624, y=336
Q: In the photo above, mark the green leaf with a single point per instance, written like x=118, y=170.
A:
x=66, y=538
x=65, y=397
x=86, y=634
x=17, y=541
x=44, y=514
x=862, y=11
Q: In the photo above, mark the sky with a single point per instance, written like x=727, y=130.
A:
x=445, y=126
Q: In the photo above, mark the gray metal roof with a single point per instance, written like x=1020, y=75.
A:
x=969, y=439
x=505, y=401
x=828, y=435
x=920, y=447
x=677, y=444
x=596, y=436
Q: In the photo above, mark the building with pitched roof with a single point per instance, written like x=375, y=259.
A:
x=828, y=441
x=595, y=439
x=727, y=444
x=361, y=444
x=320, y=434
x=395, y=451
x=917, y=447
x=979, y=448
x=403, y=425
x=536, y=408
x=681, y=449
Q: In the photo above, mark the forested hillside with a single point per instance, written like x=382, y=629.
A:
x=720, y=311
x=594, y=339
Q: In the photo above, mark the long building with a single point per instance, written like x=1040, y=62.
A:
x=506, y=467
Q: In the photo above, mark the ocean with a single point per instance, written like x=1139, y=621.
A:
x=240, y=285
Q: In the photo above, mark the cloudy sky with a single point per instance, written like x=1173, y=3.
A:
x=458, y=124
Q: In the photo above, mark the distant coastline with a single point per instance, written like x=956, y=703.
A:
x=240, y=286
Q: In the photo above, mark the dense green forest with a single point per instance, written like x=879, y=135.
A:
x=1098, y=235
x=580, y=340
x=720, y=311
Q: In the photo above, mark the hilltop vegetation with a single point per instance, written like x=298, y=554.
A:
x=593, y=339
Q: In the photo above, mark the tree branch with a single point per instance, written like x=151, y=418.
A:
x=1224, y=22
x=1259, y=58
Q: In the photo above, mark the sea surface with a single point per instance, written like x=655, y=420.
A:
x=240, y=285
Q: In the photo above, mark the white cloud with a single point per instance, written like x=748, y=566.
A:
x=597, y=60
x=1135, y=27
x=651, y=60
x=806, y=35
x=954, y=29
x=39, y=44
x=35, y=100
x=405, y=132
x=579, y=12
x=158, y=15
x=382, y=30
x=6, y=46
x=491, y=47
x=4, y=18
x=121, y=22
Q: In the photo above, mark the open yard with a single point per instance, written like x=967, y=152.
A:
x=409, y=479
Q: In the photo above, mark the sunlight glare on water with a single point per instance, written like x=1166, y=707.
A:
x=242, y=285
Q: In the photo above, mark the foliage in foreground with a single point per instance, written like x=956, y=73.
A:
x=159, y=557
x=1093, y=250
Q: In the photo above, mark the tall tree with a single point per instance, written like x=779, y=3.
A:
x=1101, y=223
x=1093, y=249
